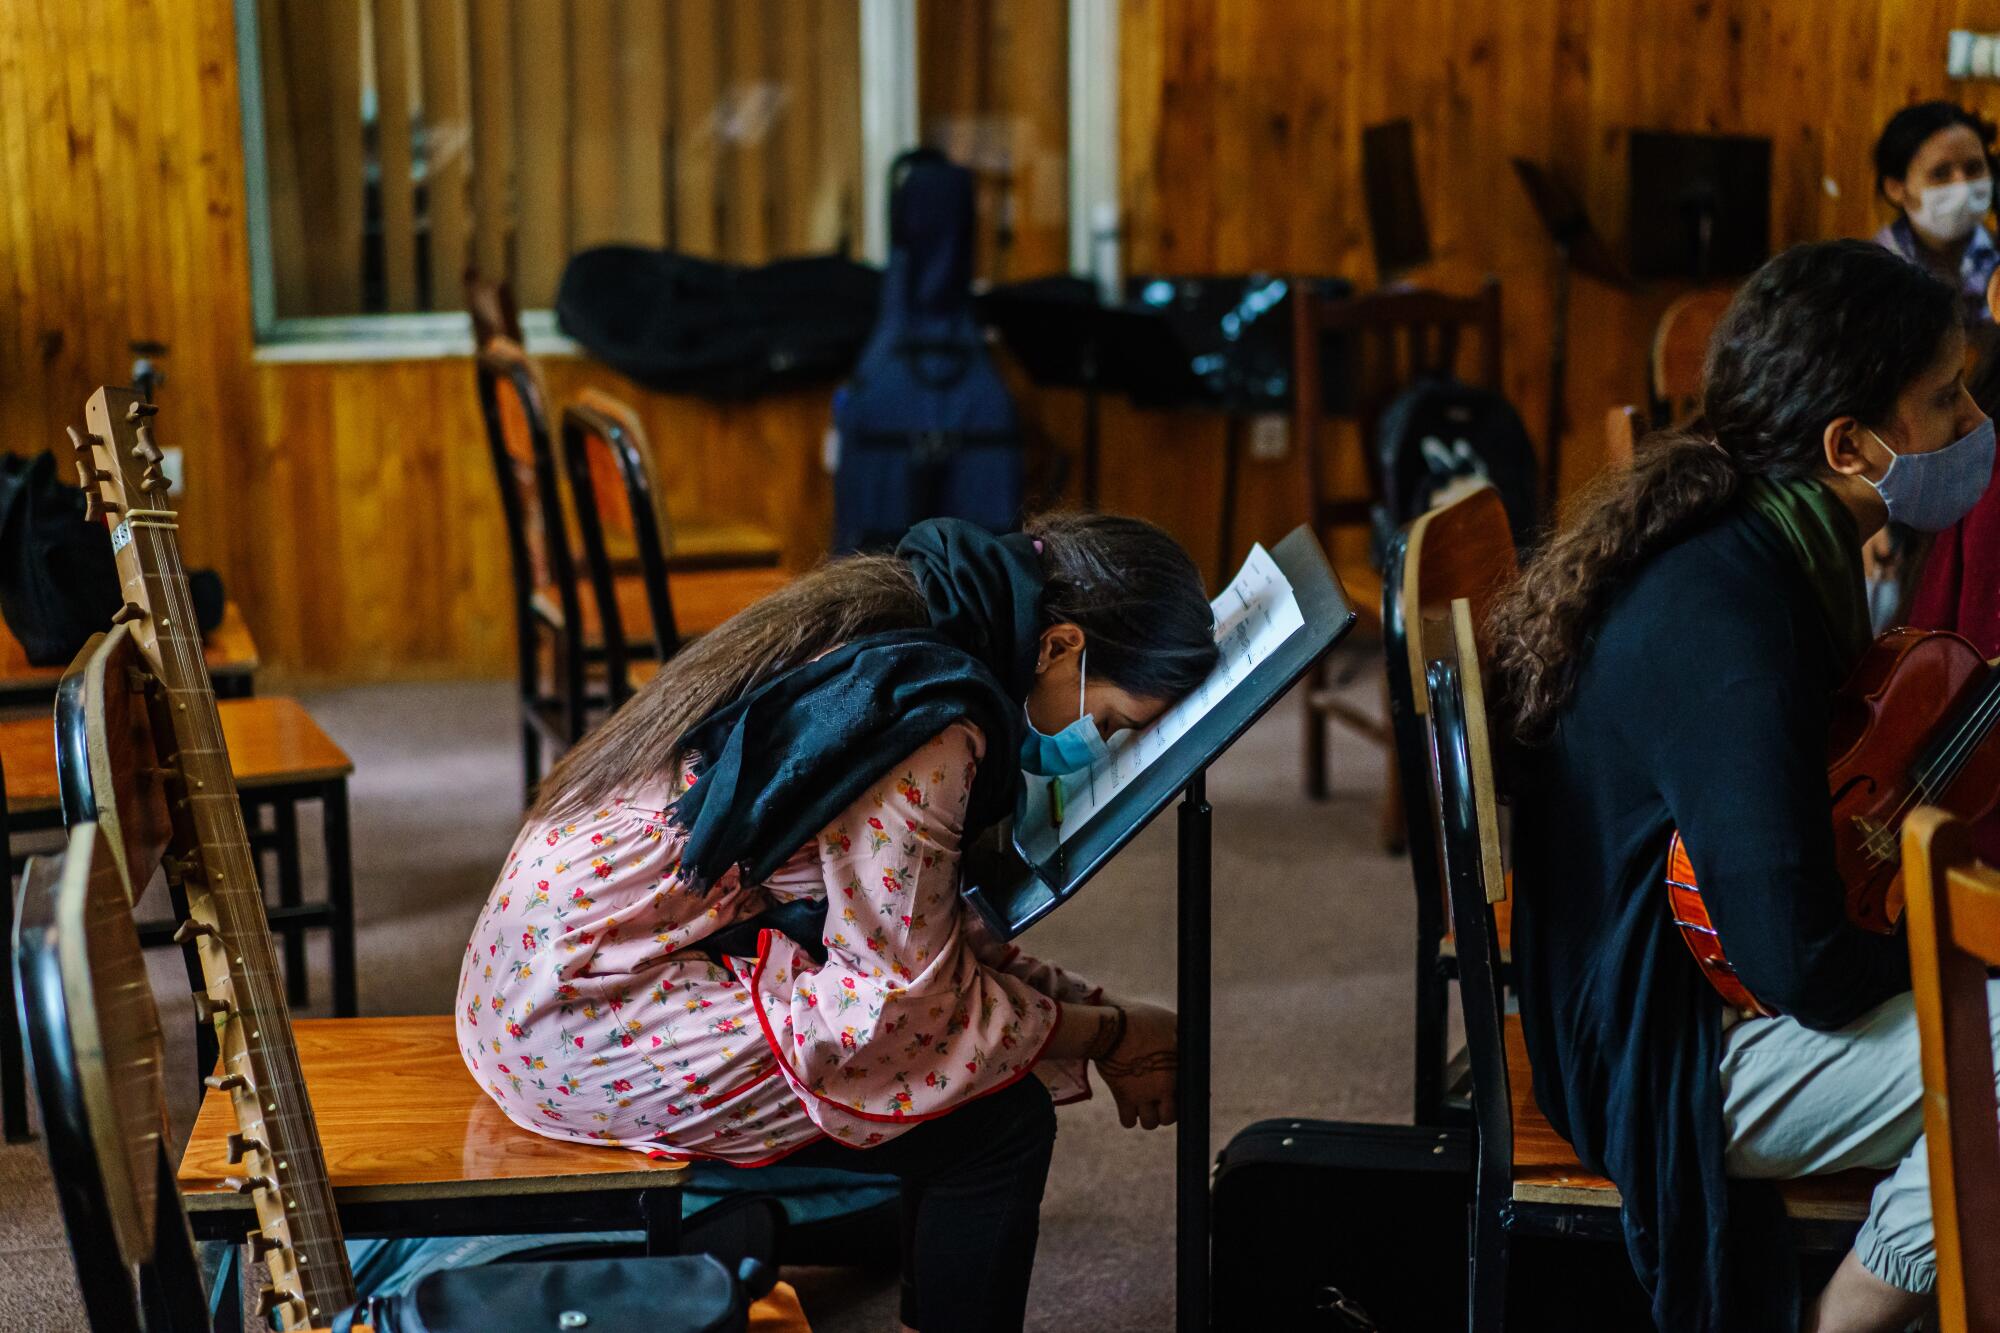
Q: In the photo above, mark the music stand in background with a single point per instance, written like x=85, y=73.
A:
x=1065, y=337
x=1577, y=245
x=1701, y=204
x=1395, y=205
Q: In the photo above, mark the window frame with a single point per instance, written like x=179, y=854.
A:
x=889, y=125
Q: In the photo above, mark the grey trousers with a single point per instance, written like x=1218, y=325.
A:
x=1796, y=1102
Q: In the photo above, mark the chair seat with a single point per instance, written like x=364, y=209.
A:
x=703, y=599
x=400, y=1118
x=1546, y=1169
x=228, y=649
x=272, y=741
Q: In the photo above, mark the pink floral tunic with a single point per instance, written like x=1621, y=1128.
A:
x=588, y=1011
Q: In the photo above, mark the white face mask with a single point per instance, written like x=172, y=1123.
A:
x=1950, y=212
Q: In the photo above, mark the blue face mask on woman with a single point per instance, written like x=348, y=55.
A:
x=1930, y=492
x=1076, y=747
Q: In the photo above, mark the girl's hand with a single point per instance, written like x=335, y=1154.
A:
x=1140, y=1071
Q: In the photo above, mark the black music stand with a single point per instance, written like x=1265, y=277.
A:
x=1013, y=894
x=1065, y=337
x=1577, y=244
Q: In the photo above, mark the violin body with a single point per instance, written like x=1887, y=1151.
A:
x=1913, y=725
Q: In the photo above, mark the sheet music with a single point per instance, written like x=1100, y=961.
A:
x=1254, y=615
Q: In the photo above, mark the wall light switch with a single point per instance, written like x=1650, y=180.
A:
x=170, y=464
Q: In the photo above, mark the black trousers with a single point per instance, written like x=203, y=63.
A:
x=972, y=1206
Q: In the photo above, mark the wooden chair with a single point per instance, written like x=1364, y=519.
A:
x=1394, y=337
x=551, y=636
x=490, y=304
x=1461, y=549
x=1527, y=1180
x=449, y=1162
x=1622, y=429
x=1680, y=350
x=619, y=511
x=230, y=651
x=99, y=1061
x=1953, y=906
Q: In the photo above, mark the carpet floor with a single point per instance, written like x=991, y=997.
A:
x=1312, y=955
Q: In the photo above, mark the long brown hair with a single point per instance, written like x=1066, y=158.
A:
x=1823, y=331
x=1131, y=588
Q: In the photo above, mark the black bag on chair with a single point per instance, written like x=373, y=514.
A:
x=680, y=1294
x=58, y=581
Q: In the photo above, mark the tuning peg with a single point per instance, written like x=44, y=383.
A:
x=225, y=1082
x=238, y=1144
x=194, y=928
x=145, y=450
x=139, y=411
x=128, y=612
x=152, y=480
x=260, y=1245
x=207, y=1009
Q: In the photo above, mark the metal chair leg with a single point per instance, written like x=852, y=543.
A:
x=1433, y=1032
x=291, y=893
x=13, y=1064
x=1317, y=680
x=340, y=896
x=1486, y=1275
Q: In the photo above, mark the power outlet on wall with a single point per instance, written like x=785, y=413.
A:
x=1270, y=437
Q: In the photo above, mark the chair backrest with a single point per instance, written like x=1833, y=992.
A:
x=1394, y=337
x=490, y=302
x=610, y=466
x=1953, y=914
x=513, y=402
x=1622, y=430
x=1468, y=820
x=93, y=1034
x=1680, y=349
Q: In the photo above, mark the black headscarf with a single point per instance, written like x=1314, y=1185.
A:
x=780, y=763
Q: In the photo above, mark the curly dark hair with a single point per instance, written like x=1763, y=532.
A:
x=1834, y=329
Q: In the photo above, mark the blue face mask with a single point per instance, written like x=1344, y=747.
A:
x=1074, y=748
x=1930, y=492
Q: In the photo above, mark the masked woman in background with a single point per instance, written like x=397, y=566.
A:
x=1934, y=166
x=731, y=925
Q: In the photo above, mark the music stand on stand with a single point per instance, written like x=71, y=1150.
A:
x=1577, y=245
x=1064, y=337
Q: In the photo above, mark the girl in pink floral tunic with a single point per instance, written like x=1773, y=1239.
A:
x=617, y=988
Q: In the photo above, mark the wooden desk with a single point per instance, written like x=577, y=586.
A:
x=230, y=651
x=270, y=741
x=415, y=1147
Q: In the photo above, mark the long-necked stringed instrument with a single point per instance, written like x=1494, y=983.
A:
x=1918, y=723
x=284, y=1173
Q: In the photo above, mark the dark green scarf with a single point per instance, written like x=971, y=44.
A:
x=1816, y=528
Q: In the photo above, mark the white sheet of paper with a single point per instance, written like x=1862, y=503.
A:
x=1254, y=615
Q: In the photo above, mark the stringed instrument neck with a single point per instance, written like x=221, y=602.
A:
x=278, y=1146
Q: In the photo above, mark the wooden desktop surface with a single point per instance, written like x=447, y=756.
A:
x=401, y=1118
x=271, y=740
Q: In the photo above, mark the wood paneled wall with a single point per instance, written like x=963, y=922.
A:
x=351, y=506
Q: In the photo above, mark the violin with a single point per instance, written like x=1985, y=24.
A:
x=1915, y=724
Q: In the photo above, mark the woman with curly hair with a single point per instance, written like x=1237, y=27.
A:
x=1668, y=662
